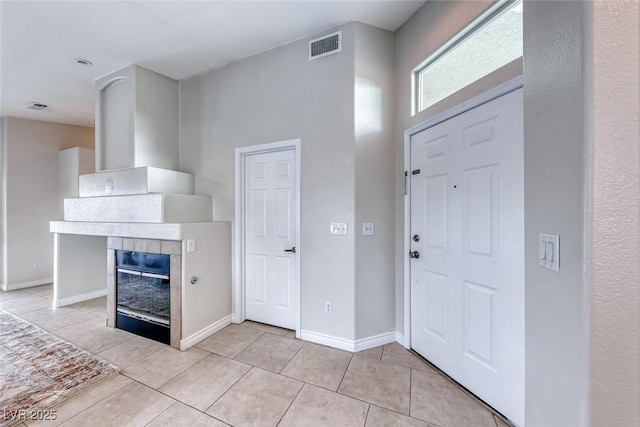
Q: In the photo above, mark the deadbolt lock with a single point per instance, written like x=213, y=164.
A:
x=416, y=238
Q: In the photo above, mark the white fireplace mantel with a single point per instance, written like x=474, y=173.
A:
x=161, y=231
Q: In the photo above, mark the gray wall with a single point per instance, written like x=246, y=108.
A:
x=613, y=133
x=556, y=353
x=3, y=181
x=374, y=192
x=31, y=197
x=341, y=107
x=275, y=96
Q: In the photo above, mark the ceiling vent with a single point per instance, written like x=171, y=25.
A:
x=325, y=45
x=37, y=106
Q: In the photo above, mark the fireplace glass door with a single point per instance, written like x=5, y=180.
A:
x=143, y=294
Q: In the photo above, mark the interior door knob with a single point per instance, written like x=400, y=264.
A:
x=292, y=250
x=414, y=254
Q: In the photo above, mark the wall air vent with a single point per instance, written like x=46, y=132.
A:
x=37, y=106
x=325, y=45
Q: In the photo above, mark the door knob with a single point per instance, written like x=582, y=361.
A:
x=292, y=250
x=414, y=254
x=416, y=238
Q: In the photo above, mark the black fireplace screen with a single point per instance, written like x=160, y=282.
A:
x=142, y=287
x=144, y=295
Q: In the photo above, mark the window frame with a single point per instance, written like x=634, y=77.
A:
x=491, y=13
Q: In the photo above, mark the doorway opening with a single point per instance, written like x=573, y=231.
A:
x=464, y=240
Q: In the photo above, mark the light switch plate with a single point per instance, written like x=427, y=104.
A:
x=549, y=251
x=368, y=229
x=338, y=228
x=191, y=245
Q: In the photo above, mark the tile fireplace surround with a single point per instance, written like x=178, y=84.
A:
x=166, y=247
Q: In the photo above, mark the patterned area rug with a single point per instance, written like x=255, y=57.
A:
x=38, y=370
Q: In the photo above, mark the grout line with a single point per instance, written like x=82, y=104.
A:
x=177, y=401
x=410, y=388
x=457, y=385
x=162, y=412
x=344, y=374
x=230, y=387
x=292, y=357
x=283, y=330
x=366, y=418
x=96, y=402
x=291, y=404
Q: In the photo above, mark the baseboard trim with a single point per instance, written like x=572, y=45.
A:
x=235, y=319
x=79, y=298
x=374, y=341
x=401, y=340
x=204, y=333
x=27, y=284
x=349, y=345
x=329, y=340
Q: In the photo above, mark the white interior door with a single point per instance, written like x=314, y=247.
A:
x=270, y=219
x=467, y=286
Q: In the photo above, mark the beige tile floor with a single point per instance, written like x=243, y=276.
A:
x=245, y=375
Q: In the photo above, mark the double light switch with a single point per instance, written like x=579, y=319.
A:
x=549, y=251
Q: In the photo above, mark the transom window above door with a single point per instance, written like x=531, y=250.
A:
x=491, y=41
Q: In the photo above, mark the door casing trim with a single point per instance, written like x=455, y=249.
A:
x=498, y=91
x=238, y=291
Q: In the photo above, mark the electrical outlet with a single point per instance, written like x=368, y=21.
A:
x=36, y=264
x=328, y=307
x=338, y=228
x=368, y=229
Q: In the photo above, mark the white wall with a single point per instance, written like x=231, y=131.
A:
x=374, y=185
x=156, y=120
x=81, y=272
x=137, y=123
x=72, y=163
x=613, y=133
x=31, y=197
x=208, y=301
x=274, y=96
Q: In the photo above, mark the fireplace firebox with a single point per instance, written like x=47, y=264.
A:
x=143, y=294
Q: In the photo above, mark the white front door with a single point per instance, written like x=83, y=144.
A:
x=270, y=219
x=467, y=286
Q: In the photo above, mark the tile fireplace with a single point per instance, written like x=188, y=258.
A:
x=144, y=288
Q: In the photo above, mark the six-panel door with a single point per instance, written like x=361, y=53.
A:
x=270, y=236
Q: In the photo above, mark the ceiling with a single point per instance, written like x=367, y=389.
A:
x=41, y=40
